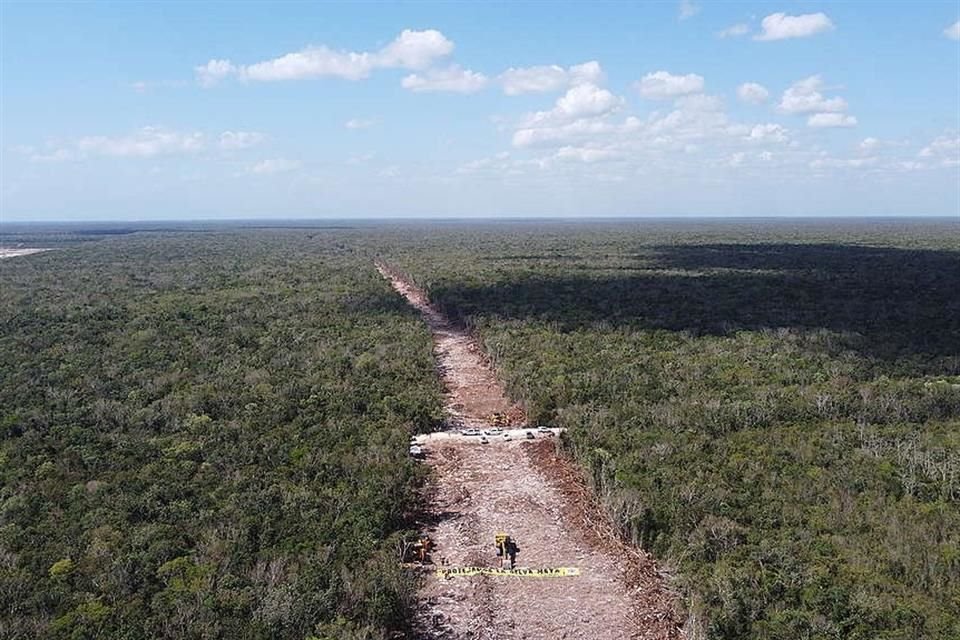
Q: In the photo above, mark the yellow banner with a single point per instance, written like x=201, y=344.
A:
x=558, y=572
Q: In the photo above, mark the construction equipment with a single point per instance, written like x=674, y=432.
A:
x=500, y=420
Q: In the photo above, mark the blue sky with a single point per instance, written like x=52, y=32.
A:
x=238, y=110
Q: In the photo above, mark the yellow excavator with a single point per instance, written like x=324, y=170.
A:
x=499, y=420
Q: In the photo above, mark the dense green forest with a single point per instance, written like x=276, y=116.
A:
x=773, y=408
x=203, y=435
x=203, y=430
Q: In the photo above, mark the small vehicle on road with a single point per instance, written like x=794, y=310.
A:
x=472, y=432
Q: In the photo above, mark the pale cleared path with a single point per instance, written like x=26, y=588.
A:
x=521, y=487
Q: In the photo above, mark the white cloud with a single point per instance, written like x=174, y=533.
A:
x=688, y=9
x=946, y=148
x=561, y=134
x=586, y=154
x=752, y=93
x=662, y=85
x=842, y=163
x=453, y=79
x=824, y=120
x=868, y=145
x=581, y=109
x=313, y=62
x=586, y=100
x=274, y=165
x=953, y=31
x=414, y=50
x=145, y=143
x=768, y=133
x=233, y=140
x=409, y=50
x=780, y=26
x=214, y=71
x=360, y=123
x=537, y=79
x=540, y=79
x=691, y=120
x=804, y=97
x=734, y=31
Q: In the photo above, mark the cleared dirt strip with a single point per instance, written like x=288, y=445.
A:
x=522, y=487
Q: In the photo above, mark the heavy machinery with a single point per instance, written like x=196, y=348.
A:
x=500, y=420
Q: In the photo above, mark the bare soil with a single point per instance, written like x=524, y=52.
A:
x=527, y=489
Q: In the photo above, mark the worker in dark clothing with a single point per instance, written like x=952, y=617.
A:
x=506, y=548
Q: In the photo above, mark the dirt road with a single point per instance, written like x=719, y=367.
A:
x=521, y=487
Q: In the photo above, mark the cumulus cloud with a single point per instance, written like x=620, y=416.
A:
x=586, y=100
x=945, y=148
x=233, y=140
x=214, y=71
x=768, y=132
x=544, y=78
x=409, y=50
x=273, y=166
x=453, y=79
x=688, y=9
x=780, y=26
x=414, y=50
x=734, y=31
x=662, y=85
x=826, y=120
x=537, y=79
x=752, y=93
x=953, y=31
x=804, y=96
x=581, y=109
x=312, y=62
